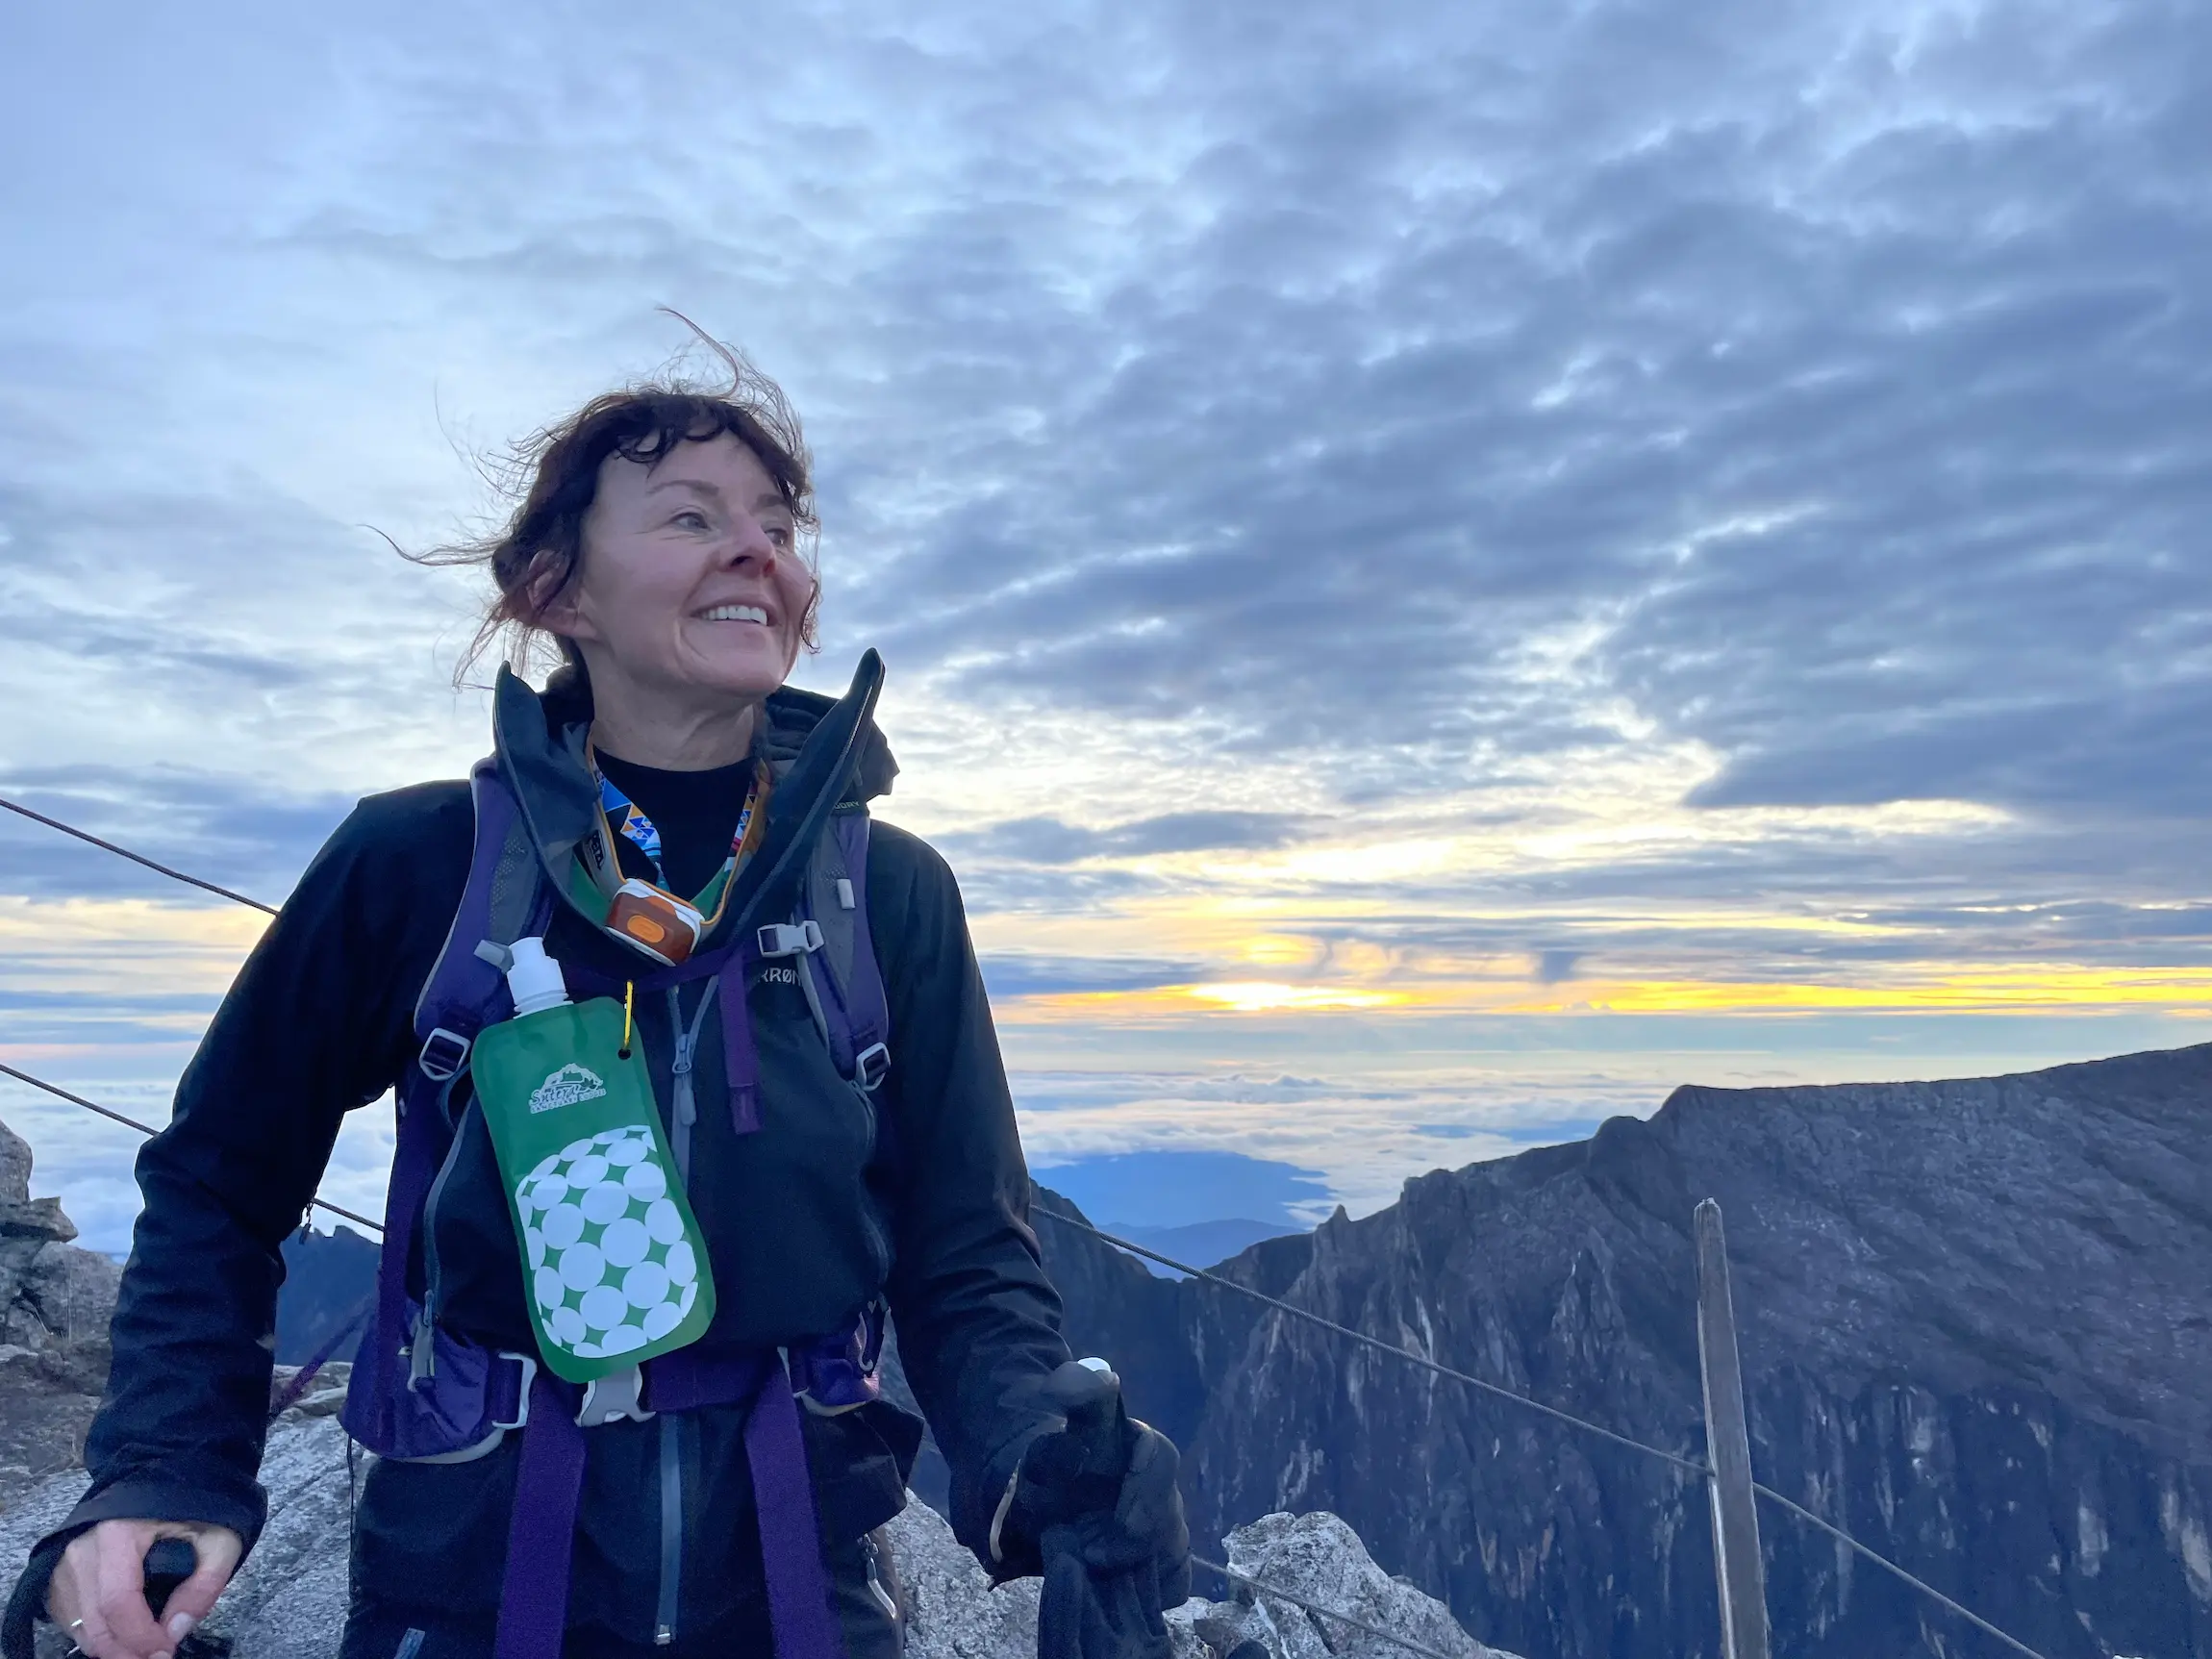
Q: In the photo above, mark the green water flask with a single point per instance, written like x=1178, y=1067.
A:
x=615, y=1268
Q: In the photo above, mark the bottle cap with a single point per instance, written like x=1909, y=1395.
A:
x=535, y=978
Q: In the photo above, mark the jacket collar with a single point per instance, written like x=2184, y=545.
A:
x=824, y=753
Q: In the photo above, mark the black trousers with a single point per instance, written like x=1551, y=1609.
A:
x=864, y=1586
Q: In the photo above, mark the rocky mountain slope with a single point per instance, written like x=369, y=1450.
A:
x=289, y=1602
x=55, y=1300
x=1977, y=1326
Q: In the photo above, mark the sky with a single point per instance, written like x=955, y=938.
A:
x=1445, y=570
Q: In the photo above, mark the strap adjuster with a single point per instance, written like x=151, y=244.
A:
x=871, y=1066
x=444, y=1055
x=618, y=1395
x=529, y=1366
x=790, y=938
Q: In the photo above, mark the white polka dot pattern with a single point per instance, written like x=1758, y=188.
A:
x=609, y=1265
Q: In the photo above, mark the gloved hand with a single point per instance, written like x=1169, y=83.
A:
x=1096, y=1508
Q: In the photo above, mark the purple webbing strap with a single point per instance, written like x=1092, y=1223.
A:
x=541, y=1532
x=463, y=989
x=413, y=1166
x=740, y=1058
x=856, y=1016
x=548, y=1487
x=460, y=995
x=867, y=1010
x=799, y=1610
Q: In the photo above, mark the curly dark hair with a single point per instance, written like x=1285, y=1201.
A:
x=536, y=553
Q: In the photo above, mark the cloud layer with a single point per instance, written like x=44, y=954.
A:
x=1505, y=508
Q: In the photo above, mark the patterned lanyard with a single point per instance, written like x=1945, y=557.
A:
x=618, y=813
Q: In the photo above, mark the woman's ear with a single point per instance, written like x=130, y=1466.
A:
x=556, y=596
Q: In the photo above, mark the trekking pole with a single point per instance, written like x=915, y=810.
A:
x=1728, y=1450
x=168, y=1564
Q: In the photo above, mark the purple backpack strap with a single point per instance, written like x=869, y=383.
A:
x=740, y=1058
x=548, y=1490
x=867, y=1008
x=463, y=994
x=854, y=1012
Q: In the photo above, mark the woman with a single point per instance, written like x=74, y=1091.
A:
x=663, y=545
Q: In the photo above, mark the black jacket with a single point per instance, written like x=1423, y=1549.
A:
x=807, y=1220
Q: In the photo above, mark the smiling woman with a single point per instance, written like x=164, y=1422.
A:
x=653, y=470
x=662, y=913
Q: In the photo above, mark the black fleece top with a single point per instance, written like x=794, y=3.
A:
x=319, y=1021
x=695, y=812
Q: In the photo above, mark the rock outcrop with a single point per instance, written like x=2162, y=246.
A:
x=289, y=1602
x=55, y=1303
x=1976, y=1323
x=52, y=1293
x=1320, y=1560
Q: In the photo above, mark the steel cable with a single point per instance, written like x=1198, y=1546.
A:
x=1689, y=1465
x=298, y=1386
x=135, y=856
x=60, y=1093
x=1426, y=1364
x=1297, y=1600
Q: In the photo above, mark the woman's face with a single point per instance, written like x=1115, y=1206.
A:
x=690, y=579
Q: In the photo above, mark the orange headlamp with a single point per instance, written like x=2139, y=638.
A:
x=664, y=927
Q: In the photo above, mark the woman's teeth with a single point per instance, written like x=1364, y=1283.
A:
x=737, y=614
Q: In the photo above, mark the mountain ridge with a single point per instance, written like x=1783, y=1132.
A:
x=1973, y=1314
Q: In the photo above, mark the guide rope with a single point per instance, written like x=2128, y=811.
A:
x=1688, y=1465
x=1297, y=1600
x=55, y=1088
x=135, y=856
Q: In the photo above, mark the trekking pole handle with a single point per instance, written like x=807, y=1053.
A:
x=168, y=1564
x=1088, y=1395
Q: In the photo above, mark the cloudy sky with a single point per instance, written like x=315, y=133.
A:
x=1445, y=568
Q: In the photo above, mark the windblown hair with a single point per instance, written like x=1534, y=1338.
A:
x=535, y=556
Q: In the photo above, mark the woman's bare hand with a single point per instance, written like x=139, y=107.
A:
x=98, y=1595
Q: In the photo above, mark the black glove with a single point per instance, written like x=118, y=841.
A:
x=1096, y=1508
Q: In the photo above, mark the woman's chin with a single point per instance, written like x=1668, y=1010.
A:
x=739, y=674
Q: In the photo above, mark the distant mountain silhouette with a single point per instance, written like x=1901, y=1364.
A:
x=1201, y=1243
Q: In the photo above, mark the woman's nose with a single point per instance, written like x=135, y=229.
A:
x=749, y=543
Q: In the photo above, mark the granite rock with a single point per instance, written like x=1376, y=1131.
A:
x=1319, y=1559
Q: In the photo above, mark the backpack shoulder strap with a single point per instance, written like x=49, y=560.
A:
x=506, y=896
x=855, y=1013
x=463, y=993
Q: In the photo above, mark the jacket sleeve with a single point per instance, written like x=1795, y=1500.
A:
x=978, y=1320
x=315, y=1024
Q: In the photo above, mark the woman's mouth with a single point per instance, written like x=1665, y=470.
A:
x=734, y=613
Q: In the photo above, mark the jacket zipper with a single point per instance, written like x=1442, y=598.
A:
x=682, y=1109
x=671, y=1531
x=683, y=1112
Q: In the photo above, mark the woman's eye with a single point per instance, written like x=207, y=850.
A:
x=690, y=519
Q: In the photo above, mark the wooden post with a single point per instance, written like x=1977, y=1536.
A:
x=1728, y=1450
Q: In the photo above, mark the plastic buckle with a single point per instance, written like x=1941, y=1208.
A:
x=618, y=1395
x=522, y=1395
x=871, y=1066
x=431, y=1059
x=789, y=937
